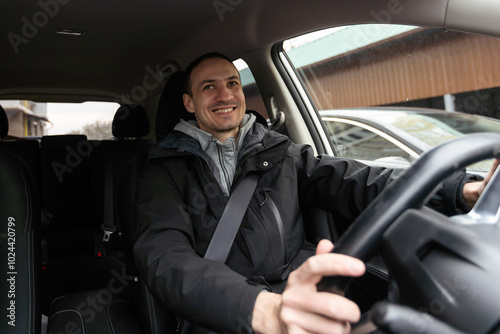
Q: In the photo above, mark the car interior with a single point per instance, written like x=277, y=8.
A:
x=67, y=201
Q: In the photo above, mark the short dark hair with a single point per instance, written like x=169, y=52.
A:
x=195, y=63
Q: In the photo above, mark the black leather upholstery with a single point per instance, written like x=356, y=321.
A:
x=19, y=247
x=104, y=311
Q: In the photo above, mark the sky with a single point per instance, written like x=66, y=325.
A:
x=73, y=116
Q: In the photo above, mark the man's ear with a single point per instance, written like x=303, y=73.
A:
x=188, y=103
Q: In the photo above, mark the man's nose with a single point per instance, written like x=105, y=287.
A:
x=224, y=94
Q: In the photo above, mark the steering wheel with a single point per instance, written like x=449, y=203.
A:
x=433, y=245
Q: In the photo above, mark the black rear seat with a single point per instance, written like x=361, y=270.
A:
x=70, y=172
x=67, y=230
x=107, y=162
x=108, y=308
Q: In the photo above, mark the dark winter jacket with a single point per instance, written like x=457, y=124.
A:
x=179, y=203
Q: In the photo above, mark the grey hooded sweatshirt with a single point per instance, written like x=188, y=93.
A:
x=224, y=155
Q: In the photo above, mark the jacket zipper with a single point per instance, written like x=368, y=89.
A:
x=223, y=167
x=279, y=222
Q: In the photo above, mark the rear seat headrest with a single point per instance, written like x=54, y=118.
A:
x=130, y=121
x=171, y=108
x=4, y=124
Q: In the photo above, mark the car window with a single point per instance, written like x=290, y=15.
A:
x=34, y=119
x=354, y=140
x=400, y=68
x=250, y=89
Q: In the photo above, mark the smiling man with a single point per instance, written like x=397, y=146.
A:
x=268, y=282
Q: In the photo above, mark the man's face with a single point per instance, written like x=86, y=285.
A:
x=217, y=98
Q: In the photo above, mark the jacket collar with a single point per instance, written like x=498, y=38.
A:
x=257, y=139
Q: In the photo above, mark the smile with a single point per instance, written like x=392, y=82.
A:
x=223, y=111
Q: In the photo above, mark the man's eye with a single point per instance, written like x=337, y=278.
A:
x=208, y=87
x=232, y=83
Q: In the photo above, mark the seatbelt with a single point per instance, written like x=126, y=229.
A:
x=231, y=218
x=107, y=227
x=229, y=224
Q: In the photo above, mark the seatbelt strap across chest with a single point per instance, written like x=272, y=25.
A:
x=229, y=224
x=231, y=218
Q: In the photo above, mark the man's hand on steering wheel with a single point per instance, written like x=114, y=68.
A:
x=301, y=308
x=473, y=190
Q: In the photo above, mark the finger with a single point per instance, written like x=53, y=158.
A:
x=324, y=246
x=491, y=171
x=329, y=264
x=493, y=168
x=324, y=304
x=298, y=322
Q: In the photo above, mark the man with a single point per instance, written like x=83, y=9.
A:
x=185, y=186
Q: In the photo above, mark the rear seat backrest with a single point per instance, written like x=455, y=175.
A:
x=66, y=194
x=109, y=159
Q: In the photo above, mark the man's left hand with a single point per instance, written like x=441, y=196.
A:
x=473, y=190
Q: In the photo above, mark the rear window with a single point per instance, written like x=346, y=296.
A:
x=28, y=119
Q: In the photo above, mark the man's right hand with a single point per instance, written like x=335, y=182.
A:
x=301, y=308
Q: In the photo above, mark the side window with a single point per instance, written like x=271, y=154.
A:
x=250, y=89
x=380, y=72
x=353, y=140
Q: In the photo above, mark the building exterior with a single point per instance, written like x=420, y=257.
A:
x=26, y=118
x=418, y=67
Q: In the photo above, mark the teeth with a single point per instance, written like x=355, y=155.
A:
x=223, y=111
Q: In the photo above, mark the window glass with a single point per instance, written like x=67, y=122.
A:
x=352, y=140
x=34, y=119
x=252, y=94
x=400, y=73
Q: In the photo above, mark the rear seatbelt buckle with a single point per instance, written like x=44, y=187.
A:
x=107, y=232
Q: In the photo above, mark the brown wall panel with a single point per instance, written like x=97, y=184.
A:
x=433, y=63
